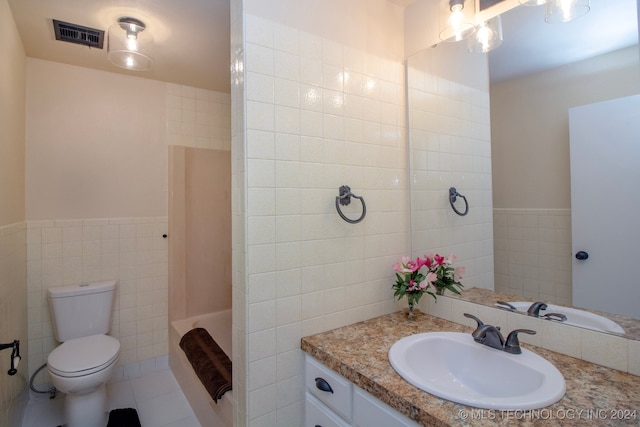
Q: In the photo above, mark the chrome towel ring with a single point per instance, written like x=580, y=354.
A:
x=344, y=199
x=453, y=195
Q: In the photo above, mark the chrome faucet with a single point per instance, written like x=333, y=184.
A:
x=491, y=336
x=534, y=309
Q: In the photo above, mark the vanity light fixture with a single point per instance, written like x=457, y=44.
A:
x=488, y=36
x=565, y=10
x=458, y=26
x=129, y=45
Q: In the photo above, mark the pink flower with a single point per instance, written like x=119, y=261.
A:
x=431, y=278
x=457, y=274
x=439, y=259
x=451, y=258
x=405, y=265
x=428, y=259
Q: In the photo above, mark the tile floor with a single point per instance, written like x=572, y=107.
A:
x=155, y=394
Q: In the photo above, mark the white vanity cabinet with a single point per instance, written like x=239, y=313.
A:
x=333, y=401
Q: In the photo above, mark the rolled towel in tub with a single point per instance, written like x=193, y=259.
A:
x=209, y=361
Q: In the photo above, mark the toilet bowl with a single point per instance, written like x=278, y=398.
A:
x=87, y=357
x=80, y=368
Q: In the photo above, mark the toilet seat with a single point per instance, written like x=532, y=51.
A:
x=83, y=356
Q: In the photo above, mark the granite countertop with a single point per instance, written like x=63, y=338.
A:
x=595, y=396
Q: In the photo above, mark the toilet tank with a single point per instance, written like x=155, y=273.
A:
x=81, y=310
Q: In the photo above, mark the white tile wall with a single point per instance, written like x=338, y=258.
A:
x=608, y=350
x=450, y=146
x=198, y=117
x=533, y=253
x=318, y=115
x=130, y=250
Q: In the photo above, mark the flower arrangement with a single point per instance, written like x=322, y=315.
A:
x=432, y=275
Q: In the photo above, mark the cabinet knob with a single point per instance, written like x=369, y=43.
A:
x=582, y=255
x=323, y=385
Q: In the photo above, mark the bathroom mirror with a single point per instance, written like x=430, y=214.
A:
x=631, y=325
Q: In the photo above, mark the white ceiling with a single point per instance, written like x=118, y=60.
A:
x=192, y=36
x=531, y=45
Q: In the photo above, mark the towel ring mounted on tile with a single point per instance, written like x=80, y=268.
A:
x=453, y=195
x=15, y=355
x=344, y=199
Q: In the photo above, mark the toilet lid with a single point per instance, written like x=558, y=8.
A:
x=83, y=356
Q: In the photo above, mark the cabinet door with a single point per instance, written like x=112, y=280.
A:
x=319, y=379
x=371, y=412
x=318, y=415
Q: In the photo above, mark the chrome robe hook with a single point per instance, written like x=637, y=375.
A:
x=453, y=195
x=344, y=199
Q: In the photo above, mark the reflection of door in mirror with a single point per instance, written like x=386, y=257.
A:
x=531, y=169
x=605, y=149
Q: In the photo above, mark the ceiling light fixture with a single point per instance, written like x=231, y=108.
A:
x=565, y=10
x=129, y=45
x=458, y=26
x=533, y=2
x=488, y=36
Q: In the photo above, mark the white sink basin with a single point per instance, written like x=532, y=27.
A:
x=575, y=317
x=451, y=365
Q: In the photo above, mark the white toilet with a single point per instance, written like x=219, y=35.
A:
x=84, y=362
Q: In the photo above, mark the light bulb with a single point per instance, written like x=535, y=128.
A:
x=132, y=44
x=565, y=6
x=457, y=26
x=483, y=35
x=488, y=36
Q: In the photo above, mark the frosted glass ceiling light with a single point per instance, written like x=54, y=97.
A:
x=458, y=26
x=129, y=46
x=488, y=36
x=565, y=10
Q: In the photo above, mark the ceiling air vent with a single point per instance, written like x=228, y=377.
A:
x=78, y=34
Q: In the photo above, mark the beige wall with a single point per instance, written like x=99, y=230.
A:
x=13, y=281
x=12, y=120
x=530, y=126
x=200, y=230
x=95, y=144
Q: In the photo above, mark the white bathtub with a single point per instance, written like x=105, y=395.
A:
x=218, y=324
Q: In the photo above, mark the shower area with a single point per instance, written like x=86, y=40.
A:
x=200, y=267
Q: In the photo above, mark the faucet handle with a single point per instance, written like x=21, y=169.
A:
x=559, y=317
x=506, y=305
x=471, y=316
x=512, y=344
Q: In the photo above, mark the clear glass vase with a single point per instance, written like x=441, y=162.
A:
x=411, y=314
